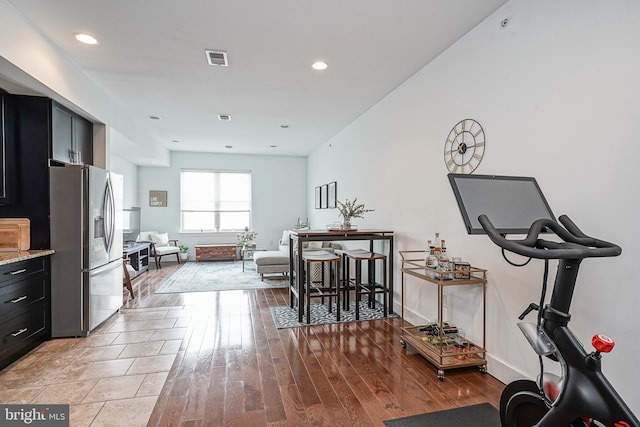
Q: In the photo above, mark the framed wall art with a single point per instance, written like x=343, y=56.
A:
x=331, y=197
x=318, y=197
x=323, y=196
x=157, y=198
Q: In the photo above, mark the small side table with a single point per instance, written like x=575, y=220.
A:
x=246, y=254
x=137, y=253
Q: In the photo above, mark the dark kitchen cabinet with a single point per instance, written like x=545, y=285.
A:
x=72, y=136
x=62, y=133
x=7, y=150
x=40, y=126
x=24, y=307
x=32, y=140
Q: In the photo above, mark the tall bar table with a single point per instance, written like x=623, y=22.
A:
x=298, y=237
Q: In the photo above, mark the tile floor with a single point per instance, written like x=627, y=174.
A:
x=111, y=378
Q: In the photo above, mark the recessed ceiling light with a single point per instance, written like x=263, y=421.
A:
x=284, y=126
x=320, y=65
x=228, y=146
x=273, y=146
x=86, y=38
x=224, y=117
x=175, y=140
x=154, y=117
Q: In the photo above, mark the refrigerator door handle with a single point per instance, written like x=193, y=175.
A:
x=109, y=216
x=103, y=268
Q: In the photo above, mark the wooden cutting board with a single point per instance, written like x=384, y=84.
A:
x=15, y=234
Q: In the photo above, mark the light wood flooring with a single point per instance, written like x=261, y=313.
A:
x=234, y=368
x=216, y=359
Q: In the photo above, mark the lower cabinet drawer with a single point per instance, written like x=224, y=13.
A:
x=19, y=329
x=17, y=296
x=20, y=269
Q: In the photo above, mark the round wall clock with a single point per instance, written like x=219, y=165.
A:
x=464, y=147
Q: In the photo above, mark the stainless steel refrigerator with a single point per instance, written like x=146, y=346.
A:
x=86, y=234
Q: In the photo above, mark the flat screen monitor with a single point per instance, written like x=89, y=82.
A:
x=512, y=203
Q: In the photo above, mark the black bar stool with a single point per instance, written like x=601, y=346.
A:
x=370, y=287
x=325, y=287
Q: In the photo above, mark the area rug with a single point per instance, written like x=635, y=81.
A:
x=218, y=276
x=482, y=415
x=287, y=317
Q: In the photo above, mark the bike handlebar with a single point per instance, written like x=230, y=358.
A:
x=575, y=244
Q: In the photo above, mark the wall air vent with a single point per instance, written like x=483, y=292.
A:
x=224, y=117
x=217, y=57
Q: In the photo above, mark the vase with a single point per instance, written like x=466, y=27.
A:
x=346, y=224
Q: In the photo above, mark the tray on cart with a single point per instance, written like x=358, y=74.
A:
x=444, y=351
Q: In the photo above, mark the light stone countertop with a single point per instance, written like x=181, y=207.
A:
x=11, y=257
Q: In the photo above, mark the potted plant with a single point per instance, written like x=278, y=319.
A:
x=183, y=252
x=246, y=239
x=349, y=210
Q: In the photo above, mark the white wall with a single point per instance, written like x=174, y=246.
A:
x=30, y=60
x=129, y=171
x=557, y=93
x=278, y=191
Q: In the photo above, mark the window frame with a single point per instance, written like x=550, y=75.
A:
x=216, y=212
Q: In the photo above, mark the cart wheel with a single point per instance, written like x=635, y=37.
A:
x=440, y=374
x=483, y=369
x=403, y=344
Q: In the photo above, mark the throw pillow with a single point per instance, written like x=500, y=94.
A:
x=315, y=245
x=160, y=239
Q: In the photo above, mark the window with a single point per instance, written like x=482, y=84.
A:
x=215, y=201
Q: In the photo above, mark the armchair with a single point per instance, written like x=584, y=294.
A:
x=161, y=245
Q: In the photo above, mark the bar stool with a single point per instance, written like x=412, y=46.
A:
x=370, y=288
x=126, y=276
x=321, y=288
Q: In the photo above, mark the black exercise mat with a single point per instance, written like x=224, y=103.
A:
x=482, y=415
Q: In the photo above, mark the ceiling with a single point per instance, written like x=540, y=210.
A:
x=151, y=59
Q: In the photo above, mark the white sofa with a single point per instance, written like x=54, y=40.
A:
x=277, y=262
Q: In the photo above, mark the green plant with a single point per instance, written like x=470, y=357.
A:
x=246, y=237
x=349, y=210
x=183, y=248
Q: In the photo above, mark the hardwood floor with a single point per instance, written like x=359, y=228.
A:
x=234, y=368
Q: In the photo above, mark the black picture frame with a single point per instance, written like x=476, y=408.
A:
x=318, y=197
x=331, y=197
x=323, y=196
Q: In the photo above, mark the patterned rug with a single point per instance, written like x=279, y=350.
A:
x=286, y=317
x=218, y=276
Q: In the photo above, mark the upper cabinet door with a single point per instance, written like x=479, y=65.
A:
x=72, y=137
x=62, y=134
x=83, y=140
x=7, y=150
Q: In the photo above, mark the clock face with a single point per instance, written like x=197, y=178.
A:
x=464, y=147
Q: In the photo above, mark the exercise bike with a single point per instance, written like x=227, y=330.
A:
x=582, y=396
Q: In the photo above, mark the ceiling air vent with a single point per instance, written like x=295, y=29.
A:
x=224, y=117
x=217, y=57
